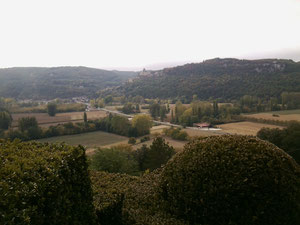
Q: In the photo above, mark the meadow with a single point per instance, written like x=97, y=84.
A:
x=285, y=115
x=245, y=128
x=90, y=140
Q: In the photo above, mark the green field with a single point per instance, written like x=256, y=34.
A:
x=89, y=140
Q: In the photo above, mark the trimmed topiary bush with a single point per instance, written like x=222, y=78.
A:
x=44, y=184
x=235, y=180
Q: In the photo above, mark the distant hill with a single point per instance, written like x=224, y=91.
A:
x=225, y=79
x=57, y=82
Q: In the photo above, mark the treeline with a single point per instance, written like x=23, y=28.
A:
x=199, y=111
x=287, y=139
x=286, y=101
x=28, y=128
x=36, y=107
x=159, y=110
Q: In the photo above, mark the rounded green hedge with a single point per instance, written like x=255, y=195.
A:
x=232, y=180
x=44, y=184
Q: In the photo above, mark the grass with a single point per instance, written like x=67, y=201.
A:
x=285, y=115
x=203, y=133
x=244, y=128
x=285, y=112
x=89, y=140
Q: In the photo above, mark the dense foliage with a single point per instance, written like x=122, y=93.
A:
x=199, y=111
x=142, y=123
x=120, y=199
x=109, y=190
x=157, y=110
x=117, y=159
x=28, y=129
x=44, y=184
x=5, y=116
x=153, y=157
x=57, y=82
x=224, y=79
x=5, y=120
x=232, y=180
x=142, y=206
x=129, y=108
x=287, y=139
x=123, y=159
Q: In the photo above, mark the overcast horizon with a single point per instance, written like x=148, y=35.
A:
x=137, y=34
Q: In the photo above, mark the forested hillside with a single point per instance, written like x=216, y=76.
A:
x=226, y=79
x=62, y=82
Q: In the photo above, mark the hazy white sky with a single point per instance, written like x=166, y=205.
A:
x=137, y=33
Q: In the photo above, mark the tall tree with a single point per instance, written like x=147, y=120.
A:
x=158, y=154
x=26, y=123
x=162, y=112
x=51, y=109
x=142, y=123
x=85, y=117
x=216, y=109
x=154, y=110
x=5, y=120
x=29, y=127
x=172, y=116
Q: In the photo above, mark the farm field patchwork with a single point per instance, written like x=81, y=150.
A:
x=46, y=120
x=245, y=128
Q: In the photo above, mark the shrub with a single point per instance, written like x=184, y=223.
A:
x=176, y=134
x=132, y=141
x=144, y=139
x=142, y=123
x=44, y=184
x=232, y=180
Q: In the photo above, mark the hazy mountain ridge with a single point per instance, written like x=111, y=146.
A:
x=218, y=78
x=54, y=82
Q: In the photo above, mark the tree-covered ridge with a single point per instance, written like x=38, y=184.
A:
x=224, y=79
x=57, y=82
